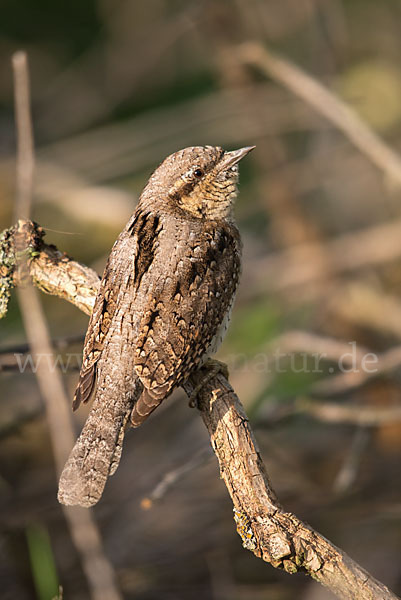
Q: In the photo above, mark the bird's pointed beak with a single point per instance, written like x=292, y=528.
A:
x=232, y=158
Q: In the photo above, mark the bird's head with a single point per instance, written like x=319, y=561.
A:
x=200, y=180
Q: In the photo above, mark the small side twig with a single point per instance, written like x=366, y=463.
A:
x=173, y=476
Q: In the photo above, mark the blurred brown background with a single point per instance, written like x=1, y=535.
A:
x=118, y=85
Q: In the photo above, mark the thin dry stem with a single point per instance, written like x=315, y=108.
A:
x=84, y=531
x=25, y=156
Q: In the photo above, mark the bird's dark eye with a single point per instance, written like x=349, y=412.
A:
x=199, y=173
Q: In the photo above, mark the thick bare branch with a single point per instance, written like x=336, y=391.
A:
x=51, y=271
x=276, y=536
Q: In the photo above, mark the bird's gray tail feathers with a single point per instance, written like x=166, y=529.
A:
x=97, y=451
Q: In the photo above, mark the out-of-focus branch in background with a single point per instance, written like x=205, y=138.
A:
x=84, y=532
x=327, y=104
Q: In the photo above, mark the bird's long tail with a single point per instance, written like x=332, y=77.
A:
x=97, y=451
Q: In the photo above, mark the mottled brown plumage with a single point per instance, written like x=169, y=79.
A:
x=162, y=308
